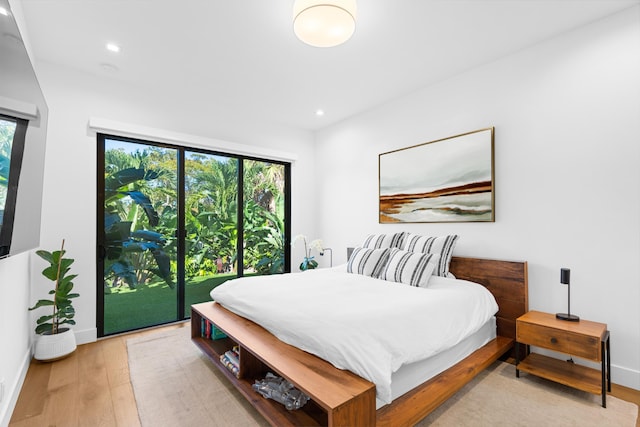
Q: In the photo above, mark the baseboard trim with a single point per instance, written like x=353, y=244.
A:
x=625, y=377
x=86, y=336
x=14, y=391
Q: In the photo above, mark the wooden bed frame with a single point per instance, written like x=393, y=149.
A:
x=339, y=397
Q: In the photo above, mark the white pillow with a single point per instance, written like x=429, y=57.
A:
x=410, y=268
x=441, y=246
x=368, y=262
x=381, y=241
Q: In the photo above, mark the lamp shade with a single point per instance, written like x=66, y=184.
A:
x=324, y=23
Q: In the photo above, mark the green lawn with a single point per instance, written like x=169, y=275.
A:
x=126, y=309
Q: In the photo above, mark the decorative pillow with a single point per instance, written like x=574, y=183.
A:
x=410, y=268
x=442, y=246
x=368, y=262
x=381, y=241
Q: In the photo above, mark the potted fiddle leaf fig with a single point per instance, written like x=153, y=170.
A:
x=54, y=339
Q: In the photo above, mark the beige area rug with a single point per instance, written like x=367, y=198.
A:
x=176, y=385
x=497, y=398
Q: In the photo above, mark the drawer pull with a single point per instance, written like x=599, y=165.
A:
x=554, y=340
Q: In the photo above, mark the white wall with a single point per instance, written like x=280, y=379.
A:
x=567, y=120
x=69, y=209
x=15, y=330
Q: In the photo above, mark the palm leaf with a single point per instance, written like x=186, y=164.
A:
x=123, y=177
x=145, y=203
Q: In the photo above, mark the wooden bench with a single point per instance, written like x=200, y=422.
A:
x=338, y=397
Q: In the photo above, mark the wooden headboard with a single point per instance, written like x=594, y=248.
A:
x=506, y=280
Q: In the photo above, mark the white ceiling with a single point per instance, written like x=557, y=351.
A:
x=242, y=55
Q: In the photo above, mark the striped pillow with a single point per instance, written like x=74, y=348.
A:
x=381, y=241
x=410, y=268
x=368, y=262
x=441, y=246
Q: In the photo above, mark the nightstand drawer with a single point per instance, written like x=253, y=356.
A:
x=567, y=342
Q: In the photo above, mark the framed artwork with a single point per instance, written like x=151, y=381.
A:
x=447, y=180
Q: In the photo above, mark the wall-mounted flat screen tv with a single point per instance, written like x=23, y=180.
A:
x=23, y=126
x=12, y=133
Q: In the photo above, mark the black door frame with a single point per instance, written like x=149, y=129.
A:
x=180, y=229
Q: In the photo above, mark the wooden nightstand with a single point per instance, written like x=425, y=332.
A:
x=584, y=339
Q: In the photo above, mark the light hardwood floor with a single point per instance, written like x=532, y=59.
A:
x=89, y=388
x=92, y=388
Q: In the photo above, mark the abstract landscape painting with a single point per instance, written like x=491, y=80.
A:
x=448, y=180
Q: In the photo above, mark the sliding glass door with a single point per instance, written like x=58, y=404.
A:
x=173, y=223
x=264, y=217
x=211, y=224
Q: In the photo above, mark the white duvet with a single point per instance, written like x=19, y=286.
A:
x=368, y=326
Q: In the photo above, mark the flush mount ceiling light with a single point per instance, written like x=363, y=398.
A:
x=324, y=23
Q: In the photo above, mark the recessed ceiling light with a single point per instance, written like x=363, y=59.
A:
x=4, y=11
x=319, y=113
x=113, y=47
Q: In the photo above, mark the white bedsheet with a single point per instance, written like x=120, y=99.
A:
x=368, y=326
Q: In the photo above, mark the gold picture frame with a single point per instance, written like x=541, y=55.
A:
x=446, y=180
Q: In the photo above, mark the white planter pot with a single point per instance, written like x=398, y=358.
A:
x=52, y=347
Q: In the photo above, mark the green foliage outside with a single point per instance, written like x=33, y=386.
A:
x=141, y=217
x=154, y=303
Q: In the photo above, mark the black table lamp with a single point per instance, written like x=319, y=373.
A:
x=565, y=275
